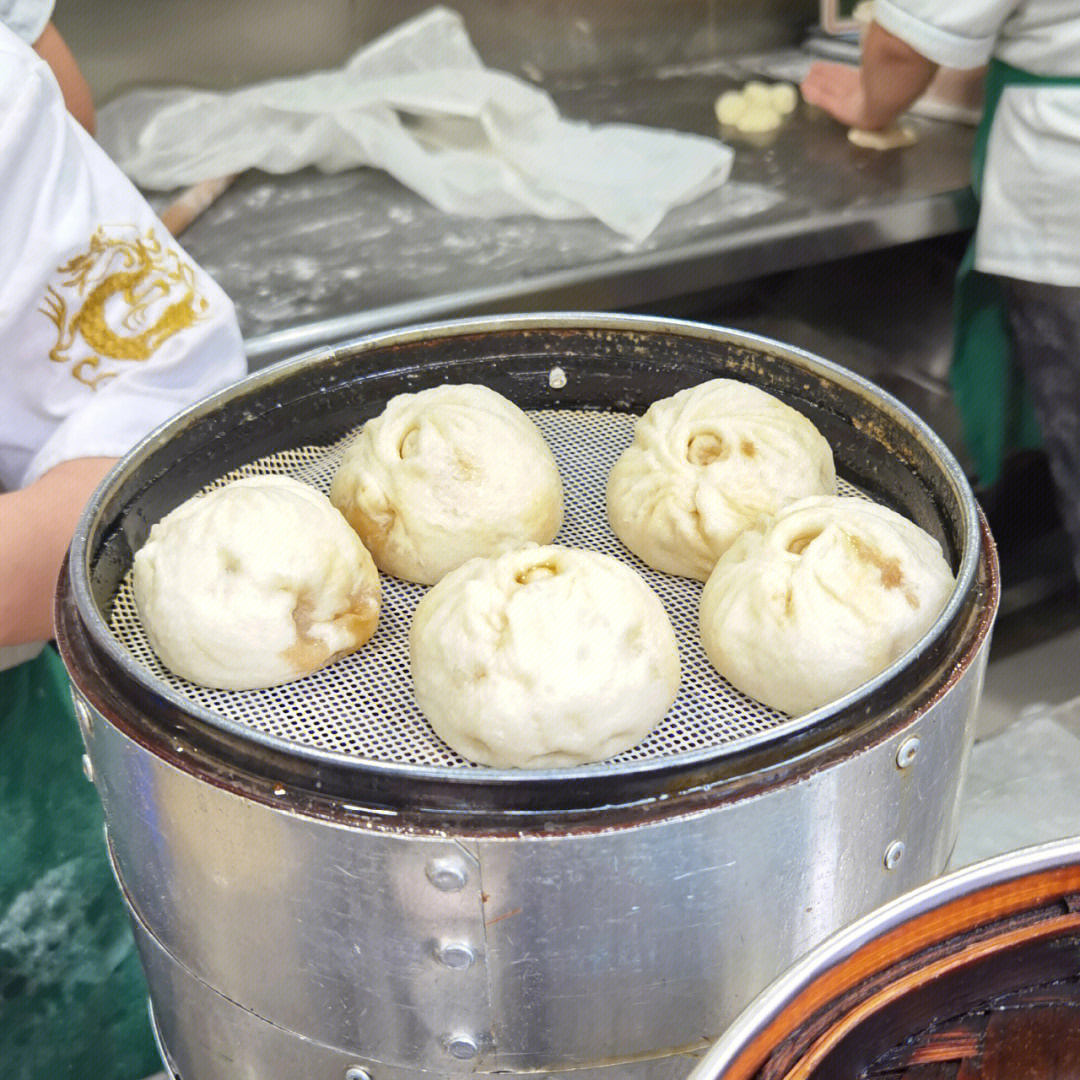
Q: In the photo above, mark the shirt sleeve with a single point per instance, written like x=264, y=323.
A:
x=27, y=18
x=954, y=33
x=107, y=327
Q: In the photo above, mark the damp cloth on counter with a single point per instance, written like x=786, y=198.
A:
x=420, y=103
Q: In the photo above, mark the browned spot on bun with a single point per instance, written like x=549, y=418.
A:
x=748, y=448
x=798, y=544
x=372, y=531
x=362, y=618
x=532, y=573
x=891, y=577
x=407, y=447
x=704, y=449
x=465, y=469
x=308, y=654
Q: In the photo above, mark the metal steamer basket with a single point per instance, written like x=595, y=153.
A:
x=319, y=887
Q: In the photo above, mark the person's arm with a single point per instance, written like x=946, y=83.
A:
x=69, y=405
x=52, y=48
x=38, y=522
x=891, y=77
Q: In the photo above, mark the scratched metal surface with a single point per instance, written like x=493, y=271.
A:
x=311, y=259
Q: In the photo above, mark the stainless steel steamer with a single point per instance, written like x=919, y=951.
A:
x=318, y=885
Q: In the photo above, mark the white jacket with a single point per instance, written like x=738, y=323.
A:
x=107, y=328
x=1029, y=222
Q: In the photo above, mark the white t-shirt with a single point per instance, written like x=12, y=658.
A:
x=1029, y=222
x=107, y=328
x=27, y=18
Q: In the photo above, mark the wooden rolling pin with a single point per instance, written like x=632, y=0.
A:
x=190, y=204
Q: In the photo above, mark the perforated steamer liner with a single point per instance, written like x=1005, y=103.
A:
x=364, y=704
x=360, y=714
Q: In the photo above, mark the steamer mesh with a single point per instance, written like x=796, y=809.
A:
x=363, y=705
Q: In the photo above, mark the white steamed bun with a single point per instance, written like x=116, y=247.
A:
x=446, y=475
x=254, y=584
x=542, y=657
x=705, y=464
x=819, y=600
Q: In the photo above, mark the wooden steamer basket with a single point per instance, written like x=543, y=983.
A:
x=975, y=976
x=318, y=885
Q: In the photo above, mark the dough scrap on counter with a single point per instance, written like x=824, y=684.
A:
x=543, y=657
x=757, y=107
x=892, y=138
x=730, y=105
x=758, y=118
x=756, y=93
x=445, y=475
x=784, y=97
x=704, y=465
x=254, y=584
x=810, y=605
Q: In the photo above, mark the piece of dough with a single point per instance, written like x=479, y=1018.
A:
x=756, y=92
x=446, y=475
x=704, y=465
x=807, y=607
x=254, y=584
x=730, y=106
x=892, y=138
x=757, y=107
x=542, y=657
x=783, y=97
x=755, y=119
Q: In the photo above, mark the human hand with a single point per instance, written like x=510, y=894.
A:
x=838, y=89
x=36, y=526
x=889, y=80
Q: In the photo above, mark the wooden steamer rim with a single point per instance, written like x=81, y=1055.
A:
x=992, y=937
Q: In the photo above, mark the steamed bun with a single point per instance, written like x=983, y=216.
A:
x=808, y=606
x=704, y=465
x=254, y=584
x=445, y=475
x=541, y=657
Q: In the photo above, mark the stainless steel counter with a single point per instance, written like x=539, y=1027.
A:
x=310, y=259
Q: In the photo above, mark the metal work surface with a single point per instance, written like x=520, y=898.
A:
x=348, y=706
x=212, y=45
x=311, y=259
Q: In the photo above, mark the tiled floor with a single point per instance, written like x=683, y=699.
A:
x=1045, y=673
x=1034, y=659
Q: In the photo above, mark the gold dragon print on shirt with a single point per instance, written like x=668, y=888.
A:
x=119, y=301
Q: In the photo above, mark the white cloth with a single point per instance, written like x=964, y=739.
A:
x=107, y=329
x=1029, y=222
x=27, y=18
x=419, y=103
x=14, y=655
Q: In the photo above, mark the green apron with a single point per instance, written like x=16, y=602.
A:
x=994, y=404
x=72, y=994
